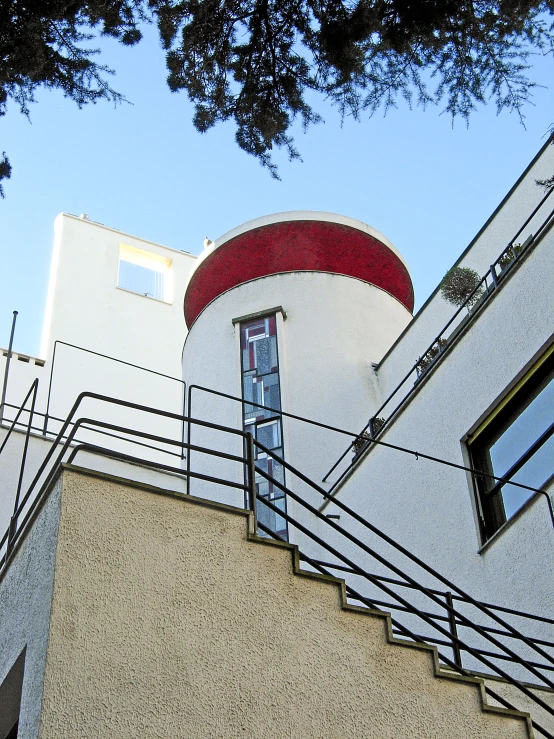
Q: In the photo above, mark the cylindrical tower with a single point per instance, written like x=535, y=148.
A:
x=290, y=311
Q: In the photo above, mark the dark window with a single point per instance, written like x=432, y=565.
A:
x=516, y=444
x=260, y=385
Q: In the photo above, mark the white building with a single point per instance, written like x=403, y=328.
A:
x=368, y=425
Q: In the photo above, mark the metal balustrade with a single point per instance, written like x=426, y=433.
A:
x=379, y=572
x=504, y=266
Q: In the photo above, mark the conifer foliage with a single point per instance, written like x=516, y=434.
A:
x=256, y=61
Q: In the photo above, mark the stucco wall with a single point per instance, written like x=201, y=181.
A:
x=486, y=248
x=25, y=599
x=335, y=327
x=167, y=621
x=429, y=508
x=86, y=308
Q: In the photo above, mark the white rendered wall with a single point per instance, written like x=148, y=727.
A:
x=26, y=588
x=335, y=327
x=85, y=307
x=84, y=301
x=484, y=250
x=429, y=508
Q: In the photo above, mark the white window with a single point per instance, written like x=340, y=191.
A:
x=145, y=273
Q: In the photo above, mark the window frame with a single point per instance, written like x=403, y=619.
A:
x=491, y=513
x=251, y=425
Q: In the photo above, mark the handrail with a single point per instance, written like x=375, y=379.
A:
x=68, y=439
x=472, y=471
x=444, y=625
x=113, y=359
x=414, y=610
x=384, y=537
x=522, y=614
x=39, y=429
x=496, y=279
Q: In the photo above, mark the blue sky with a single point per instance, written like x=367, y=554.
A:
x=142, y=168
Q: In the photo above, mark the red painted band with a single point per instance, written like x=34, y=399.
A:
x=292, y=246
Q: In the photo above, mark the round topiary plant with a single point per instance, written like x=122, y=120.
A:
x=458, y=284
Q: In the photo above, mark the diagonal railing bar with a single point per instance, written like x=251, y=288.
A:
x=32, y=393
x=21, y=409
x=393, y=581
x=495, y=668
x=65, y=441
x=402, y=629
x=475, y=473
x=382, y=560
x=489, y=290
x=384, y=537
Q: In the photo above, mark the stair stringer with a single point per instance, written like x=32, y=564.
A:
x=438, y=671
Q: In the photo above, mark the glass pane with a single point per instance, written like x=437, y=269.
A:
x=276, y=471
x=271, y=518
x=272, y=397
x=534, y=472
x=523, y=432
x=252, y=390
x=141, y=280
x=273, y=352
x=247, y=360
x=269, y=434
x=262, y=356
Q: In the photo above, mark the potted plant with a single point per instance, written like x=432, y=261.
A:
x=461, y=286
x=429, y=356
x=361, y=441
x=509, y=255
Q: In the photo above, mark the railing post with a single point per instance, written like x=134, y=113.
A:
x=7, y=368
x=11, y=535
x=453, y=629
x=371, y=428
x=251, y=477
x=189, y=404
x=494, y=276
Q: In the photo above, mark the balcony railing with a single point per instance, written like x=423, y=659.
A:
x=504, y=266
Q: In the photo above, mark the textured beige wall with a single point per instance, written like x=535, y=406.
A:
x=168, y=622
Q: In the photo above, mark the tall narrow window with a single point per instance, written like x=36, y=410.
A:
x=261, y=417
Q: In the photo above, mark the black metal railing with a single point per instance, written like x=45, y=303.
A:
x=472, y=471
x=49, y=417
x=379, y=572
x=450, y=615
x=502, y=268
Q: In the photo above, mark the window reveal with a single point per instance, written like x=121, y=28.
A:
x=145, y=273
x=260, y=385
x=517, y=444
